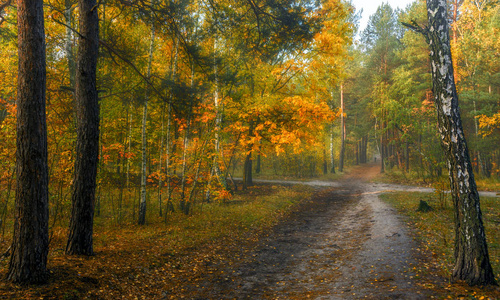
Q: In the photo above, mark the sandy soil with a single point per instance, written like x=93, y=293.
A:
x=345, y=243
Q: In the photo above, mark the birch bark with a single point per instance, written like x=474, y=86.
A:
x=472, y=263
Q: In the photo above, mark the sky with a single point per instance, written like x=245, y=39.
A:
x=370, y=7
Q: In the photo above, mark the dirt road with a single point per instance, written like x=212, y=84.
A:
x=344, y=244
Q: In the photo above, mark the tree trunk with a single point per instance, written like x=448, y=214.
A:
x=160, y=182
x=332, y=157
x=143, y=202
x=186, y=205
x=129, y=147
x=382, y=151
x=30, y=244
x=247, y=166
x=215, y=172
x=87, y=141
x=69, y=42
x=257, y=166
x=364, y=149
x=247, y=171
x=173, y=77
x=325, y=162
x=472, y=262
x=342, y=130
x=358, y=147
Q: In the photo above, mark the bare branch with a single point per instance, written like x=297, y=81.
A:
x=415, y=27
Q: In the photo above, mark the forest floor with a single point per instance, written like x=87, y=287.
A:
x=341, y=243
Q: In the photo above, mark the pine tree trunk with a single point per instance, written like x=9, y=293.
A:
x=358, y=147
x=364, y=149
x=472, y=262
x=382, y=151
x=87, y=142
x=28, y=260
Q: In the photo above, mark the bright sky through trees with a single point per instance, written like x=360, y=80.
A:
x=370, y=7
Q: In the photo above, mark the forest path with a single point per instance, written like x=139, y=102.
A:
x=345, y=243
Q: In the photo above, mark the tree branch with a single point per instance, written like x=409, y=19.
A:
x=415, y=27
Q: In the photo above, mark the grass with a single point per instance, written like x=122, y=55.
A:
x=161, y=260
x=415, y=178
x=434, y=232
x=488, y=184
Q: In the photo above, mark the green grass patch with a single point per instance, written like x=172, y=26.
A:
x=434, y=230
x=418, y=178
x=488, y=184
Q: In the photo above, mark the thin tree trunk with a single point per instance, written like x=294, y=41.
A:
x=247, y=166
x=129, y=148
x=332, y=156
x=80, y=239
x=325, y=162
x=215, y=172
x=358, y=147
x=342, y=130
x=407, y=158
x=69, y=42
x=382, y=148
x=185, y=205
x=28, y=260
x=160, y=182
x=472, y=262
x=173, y=78
x=143, y=203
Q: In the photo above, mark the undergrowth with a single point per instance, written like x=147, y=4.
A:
x=161, y=259
x=418, y=178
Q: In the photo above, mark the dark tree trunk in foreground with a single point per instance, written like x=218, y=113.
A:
x=472, y=262
x=87, y=144
x=30, y=243
x=247, y=170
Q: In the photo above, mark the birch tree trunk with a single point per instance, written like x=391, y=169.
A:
x=143, y=203
x=30, y=244
x=69, y=42
x=129, y=146
x=173, y=77
x=342, y=130
x=185, y=205
x=332, y=157
x=472, y=263
x=80, y=239
x=215, y=172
